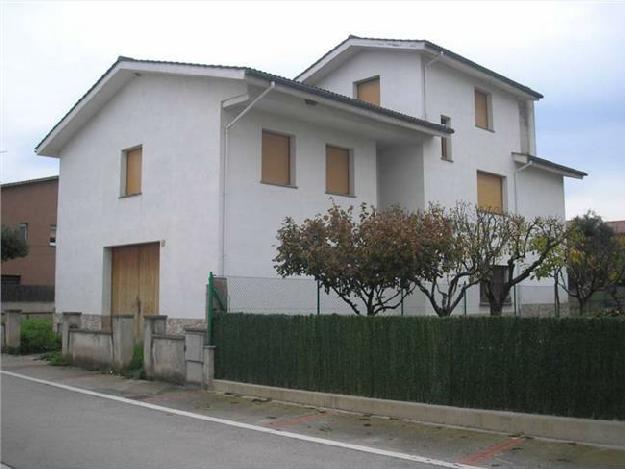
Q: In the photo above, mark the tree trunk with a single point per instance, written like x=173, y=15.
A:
x=496, y=307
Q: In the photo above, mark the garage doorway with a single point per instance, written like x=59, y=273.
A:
x=135, y=282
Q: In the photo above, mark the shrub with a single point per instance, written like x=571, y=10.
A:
x=37, y=335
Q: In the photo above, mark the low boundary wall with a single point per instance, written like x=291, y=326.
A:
x=176, y=358
x=98, y=349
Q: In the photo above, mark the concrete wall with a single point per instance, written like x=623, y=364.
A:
x=91, y=349
x=29, y=306
x=177, y=120
x=168, y=358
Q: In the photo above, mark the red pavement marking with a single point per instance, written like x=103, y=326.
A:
x=491, y=451
x=293, y=421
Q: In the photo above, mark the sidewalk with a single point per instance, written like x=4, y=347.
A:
x=450, y=444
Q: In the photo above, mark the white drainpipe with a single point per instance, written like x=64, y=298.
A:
x=424, y=95
x=518, y=296
x=222, y=240
x=516, y=192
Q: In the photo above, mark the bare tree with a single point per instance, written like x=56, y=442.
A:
x=467, y=243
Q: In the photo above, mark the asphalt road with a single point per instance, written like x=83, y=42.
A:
x=43, y=426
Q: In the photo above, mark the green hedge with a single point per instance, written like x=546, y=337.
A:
x=37, y=335
x=567, y=367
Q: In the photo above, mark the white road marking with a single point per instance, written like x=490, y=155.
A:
x=247, y=426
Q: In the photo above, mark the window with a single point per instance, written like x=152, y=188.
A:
x=369, y=90
x=482, y=110
x=133, y=162
x=446, y=141
x=490, y=192
x=499, y=276
x=276, y=159
x=52, y=235
x=338, y=171
x=23, y=229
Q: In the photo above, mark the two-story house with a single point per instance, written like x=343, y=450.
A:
x=169, y=171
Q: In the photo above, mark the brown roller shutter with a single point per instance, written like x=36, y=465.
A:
x=369, y=91
x=276, y=159
x=133, y=171
x=481, y=110
x=490, y=192
x=337, y=171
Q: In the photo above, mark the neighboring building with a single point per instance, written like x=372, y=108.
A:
x=170, y=171
x=30, y=206
x=618, y=227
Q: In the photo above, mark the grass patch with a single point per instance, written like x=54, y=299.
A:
x=135, y=368
x=55, y=358
x=37, y=335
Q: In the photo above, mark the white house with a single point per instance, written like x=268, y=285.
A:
x=169, y=171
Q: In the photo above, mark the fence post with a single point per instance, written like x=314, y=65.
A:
x=13, y=329
x=209, y=310
x=151, y=325
x=464, y=300
x=318, y=298
x=69, y=321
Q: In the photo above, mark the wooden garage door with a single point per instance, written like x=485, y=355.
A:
x=134, y=282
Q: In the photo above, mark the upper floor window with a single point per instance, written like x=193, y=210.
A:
x=446, y=141
x=483, y=111
x=490, y=192
x=52, y=235
x=338, y=171
x=369, y=90
x=132, y=171
x=276, y=155
x=23, y=229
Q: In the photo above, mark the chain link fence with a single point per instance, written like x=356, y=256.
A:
x=271, y=295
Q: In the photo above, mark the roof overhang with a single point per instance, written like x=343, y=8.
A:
x=126, y=69
x=353, y=44
x=546, y=165
x=115, y=78
x=356, y=108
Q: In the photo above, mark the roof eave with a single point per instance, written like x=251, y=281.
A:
x=49, y=145
x=423, y=45
x=353, y=106
x=546, y=165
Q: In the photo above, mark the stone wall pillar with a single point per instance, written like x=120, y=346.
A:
x=194, y=340
x=123, y=340
x=151, y=325
x=208, y=372
x=12, y=329
x=68, y=321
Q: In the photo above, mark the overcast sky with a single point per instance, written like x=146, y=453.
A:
x=573, y=53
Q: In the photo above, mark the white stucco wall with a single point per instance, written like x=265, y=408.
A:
x=400, y=78
x=177, y=120
x=451, y=93
x=256, y=210
x=401, y=177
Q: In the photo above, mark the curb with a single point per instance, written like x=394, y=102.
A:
x=596, y=432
